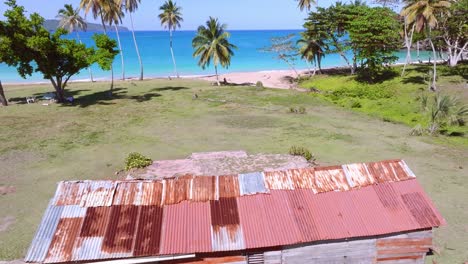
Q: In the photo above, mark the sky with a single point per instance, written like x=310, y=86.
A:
x=237, y=14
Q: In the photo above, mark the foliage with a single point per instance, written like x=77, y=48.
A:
x=259, y=84
x=300, y=110
x=70, y=19
x=136, y=160
x=107, y=51
x=368, y=34
x=444, y=110
x=305, y=4
x=29, y=47
x=302, y=151
x=374, y=36
x=284, y=48
x=212, y=44
x=311, y=48
x=170, y=18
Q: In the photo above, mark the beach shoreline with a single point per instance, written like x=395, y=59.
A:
x=281, y=79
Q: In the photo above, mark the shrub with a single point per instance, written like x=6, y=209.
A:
x=356, y=104
x=137, y=160
x=301, y=110
x=259, y=84
x=301, y=151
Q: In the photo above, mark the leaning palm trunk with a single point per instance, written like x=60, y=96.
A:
x=136, y=47
x=408, y=42
x=89, y=68
x=172, y=53
x=3, y=100
x=121, y=51
x=434, y=76
x=111, y=68
x=217, y=77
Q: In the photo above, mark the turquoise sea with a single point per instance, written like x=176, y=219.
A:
x=157, y=62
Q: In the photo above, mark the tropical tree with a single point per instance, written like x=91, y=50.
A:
x=423, y=13
x=284, y=49
x=305, y=4
x=312, y=48
x=131, y=6
x=29, y=47
x=98, y=8
x=212, y=44
x=71, y=20
x=113, y=16
x=170, y=18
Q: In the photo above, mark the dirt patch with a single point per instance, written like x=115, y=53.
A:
x=4, y=190
x=6, y=222
x=219, y=163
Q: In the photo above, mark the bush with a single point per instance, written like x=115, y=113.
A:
x=356, y=104
x=301, y=110
x=301, y=151
x=137, y=160
x=259, y=84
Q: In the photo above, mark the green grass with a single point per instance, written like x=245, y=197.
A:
x=41, y=145
x=397, y=99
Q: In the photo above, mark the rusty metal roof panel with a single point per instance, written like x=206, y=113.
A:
x=61, y=248
x=177, y=190
x=357, y=175
x=303, y=178
x=226, y=232
x=45, y=232
x=252, y=183
x=331, y=178
x=148, y=234
x=203, y=189
x=120, y=229
x=186, y=228
x=152, y=193
x=279, y=180
x=128, y=193
x=228, y=186
x=299, y=202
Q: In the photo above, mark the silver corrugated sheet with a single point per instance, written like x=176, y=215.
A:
x=227, y=238
x=252, y=183
x=40, y=245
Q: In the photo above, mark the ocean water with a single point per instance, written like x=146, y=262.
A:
x=157, y=62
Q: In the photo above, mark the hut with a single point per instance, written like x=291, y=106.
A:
x=372, y=212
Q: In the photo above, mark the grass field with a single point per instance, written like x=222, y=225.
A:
x=41, y=145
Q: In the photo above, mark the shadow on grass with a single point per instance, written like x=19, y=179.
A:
x=414, y=80
x=105, y=98
x=169, y=88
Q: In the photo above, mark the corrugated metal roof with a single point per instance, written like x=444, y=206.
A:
x=94, y=220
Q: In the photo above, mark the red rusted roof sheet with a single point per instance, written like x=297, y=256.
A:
x=96, y=220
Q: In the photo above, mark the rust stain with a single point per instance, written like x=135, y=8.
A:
x=151, y=193
x=420, y=209
x=224, y=212
x=303, y=178
x=400, y=258
x=126, y=193
x=396, y=242
x=402, y=250
x=278, y=180
x=331, y=179
x=203, y=189
x=61, y=248
x=358, y=175
x=149, y=231
x=387, y=196
x=121, y=229
x=95, y=221
x=228, y=186
x=177, y=190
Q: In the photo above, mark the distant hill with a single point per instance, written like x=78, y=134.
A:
x=52, y=24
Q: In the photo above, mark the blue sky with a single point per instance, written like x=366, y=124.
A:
x=238, y=14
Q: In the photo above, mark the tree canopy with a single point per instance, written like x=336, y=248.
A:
x=29, y=47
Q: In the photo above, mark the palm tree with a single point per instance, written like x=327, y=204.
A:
x=98, y=8
x=113, y=16
x=211, y=43
x=71, y=20
x=423, y=13
x=170, y=19
x=305, y=4
x=131, y=6
x=311, y=50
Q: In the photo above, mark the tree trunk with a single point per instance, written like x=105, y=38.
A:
x=58, y=86
x=434, y=75
x=417, y=50
x=136, y=47
x=111, y=68
x=121, y=51
x=217, y=77
x=89, y=68
x=172, y=53
x=3, y=99
x=454, y=56
x=408, y=42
